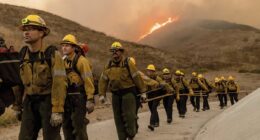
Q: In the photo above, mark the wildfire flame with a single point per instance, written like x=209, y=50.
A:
x=157, y=26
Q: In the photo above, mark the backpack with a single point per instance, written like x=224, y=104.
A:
x=232, y=87
x=44, y=56
x=125, y=64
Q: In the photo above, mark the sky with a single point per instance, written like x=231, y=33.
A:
x=130, y=19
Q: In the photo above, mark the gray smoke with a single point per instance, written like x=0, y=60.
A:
x=129, y=19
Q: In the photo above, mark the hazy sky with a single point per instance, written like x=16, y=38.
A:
x=129, y=19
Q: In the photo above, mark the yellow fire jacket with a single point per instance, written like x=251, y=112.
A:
x=41, y=79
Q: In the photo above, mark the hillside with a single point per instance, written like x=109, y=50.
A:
x=210, y=44
x=99, y=42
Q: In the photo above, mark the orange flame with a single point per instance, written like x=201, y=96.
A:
x=157, y=26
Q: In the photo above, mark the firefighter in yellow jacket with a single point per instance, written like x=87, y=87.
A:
x=206, y=91
x=123, y=80
x=44, y=79
x=198, y=87
x=185, y=91
x=169, y=100
x=80, y=91
x=232, y=90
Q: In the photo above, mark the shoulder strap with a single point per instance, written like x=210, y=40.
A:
x=185, y=87
x=109, y=64
x=49, y=53
x=126, y=64
x=74, y=64
x=22, y=53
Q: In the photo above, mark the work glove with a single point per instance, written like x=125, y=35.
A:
x=143, y=98
x=56, y=119
x=102, y=99
x=90, y=106
x=18, y=115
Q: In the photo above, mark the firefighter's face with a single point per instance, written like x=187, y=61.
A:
x=67, y=49
x=166, y=76
x=177, y=77
x=117, y=55
x=150, y=73
x=32, y=34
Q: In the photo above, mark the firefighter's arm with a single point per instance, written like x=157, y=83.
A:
x=148, y=81
x=177, y=89
x=203, y=86
x=186, y=84
x=59, y=83
x=18, y=95
x=87, y=77
x=210, y=84
x=103, y=84
x=138, y=81
x=226, y=88
x=167, y=86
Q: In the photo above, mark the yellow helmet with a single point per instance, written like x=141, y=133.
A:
x=70, y=39
x=178, y=72
x=116, y=46
x=222, y=78
x=166, y=71
x=132, y=60
x=194, y=73
x=216, y=80
x=35, y=20
x=231, y=78
x=182, y=73
x=200, y=76
x=151, y=67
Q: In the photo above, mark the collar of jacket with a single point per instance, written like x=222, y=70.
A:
x=71, y=56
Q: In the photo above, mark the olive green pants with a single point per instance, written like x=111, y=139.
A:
x=124, y=108
x=36, y=115
x=75, y=123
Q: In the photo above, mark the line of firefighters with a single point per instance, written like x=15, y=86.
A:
x=59, y=91
x=169, y=88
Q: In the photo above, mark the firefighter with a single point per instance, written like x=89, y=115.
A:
x=153, y=105
x=80, y=91
x=184, y=90
x=122, y=77
x=232, y=89
x=207, y=90
x=198, y=87
x=44, y=79
x=224, y=82
x=169, y=100
x=221, y=91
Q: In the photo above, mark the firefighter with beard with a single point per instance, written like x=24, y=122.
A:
x=123, y=79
